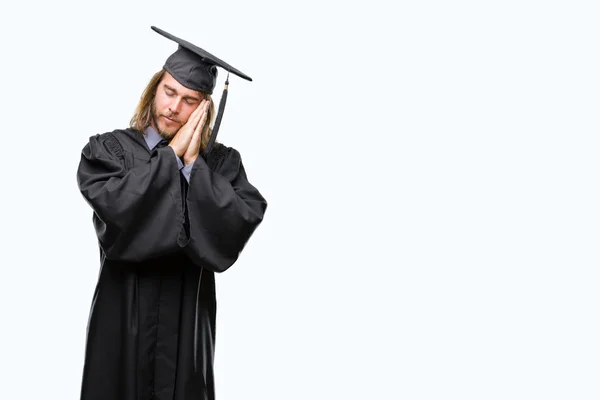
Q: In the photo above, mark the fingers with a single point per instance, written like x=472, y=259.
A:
x=203, y=116
x=194, y=118
x=186, y=132
x=188, y=137
x=197, y=114
x=197, y=137
x=186, y=141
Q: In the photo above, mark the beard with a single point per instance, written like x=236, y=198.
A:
x=163, y=130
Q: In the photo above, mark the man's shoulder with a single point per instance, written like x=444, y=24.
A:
x=125, y=132
x=118, y=137
x=221, y=153
x=117, y=141
x=121, y=133
x=218, y=146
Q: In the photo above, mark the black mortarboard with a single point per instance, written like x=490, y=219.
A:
x=196, y=69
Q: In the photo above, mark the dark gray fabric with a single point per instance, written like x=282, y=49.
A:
x=151, y=331
x=193, y=67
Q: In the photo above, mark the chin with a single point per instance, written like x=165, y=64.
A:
x=166, y=133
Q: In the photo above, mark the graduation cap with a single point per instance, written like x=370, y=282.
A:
x=196, y=69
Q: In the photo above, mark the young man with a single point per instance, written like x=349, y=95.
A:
x=171, y=207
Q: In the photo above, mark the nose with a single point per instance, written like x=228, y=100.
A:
x=175, y=106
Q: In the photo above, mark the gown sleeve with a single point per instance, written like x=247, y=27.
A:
x=223, y=211
x=138, y=212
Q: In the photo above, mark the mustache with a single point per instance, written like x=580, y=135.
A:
x=171, y=116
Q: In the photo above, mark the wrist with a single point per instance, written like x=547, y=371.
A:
x=189, y=160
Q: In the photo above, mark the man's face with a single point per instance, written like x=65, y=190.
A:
x=173, y=105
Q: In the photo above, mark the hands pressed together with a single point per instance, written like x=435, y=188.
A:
x=186, y=142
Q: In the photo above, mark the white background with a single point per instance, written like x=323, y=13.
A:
x=432, y=176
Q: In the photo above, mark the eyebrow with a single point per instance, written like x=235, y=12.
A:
x=184, y=97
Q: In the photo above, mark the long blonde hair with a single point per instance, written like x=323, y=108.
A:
x=142, y=118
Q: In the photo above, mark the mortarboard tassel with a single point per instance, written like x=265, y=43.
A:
x=205, y=154
x=215, y=129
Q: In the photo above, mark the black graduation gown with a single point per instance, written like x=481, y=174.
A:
x=151, y=330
